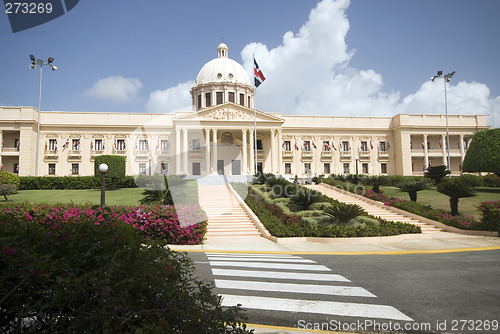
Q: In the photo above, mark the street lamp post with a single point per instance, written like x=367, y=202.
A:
x=40, y=63
x=446, y=79
x=103, y=168
x=357, y=159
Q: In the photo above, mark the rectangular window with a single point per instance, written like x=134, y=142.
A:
x=231, y=97
x=242, y=99
x=198, y=102
x=53, y=144
x=142, y=168
x=364, y=168
x=143, y=145
x=164, y=168
x=52, y=169
x=345, y=146
x=75, y=169
x=75, y=144
x=220, y=98
x=287, y=146
x=249, y=102
x=364, y=146
x=326, y=169
x=288, y=168
x=346, y=168
x=16, y=168
x=120, y=144
x=326, y=145
x=99, y=146
x=195, y=144
x=382, y=146
x=208, y=99
x=259, y=144
x=307, y=167
x=383, y=168
x=307, y=145
x=165, y=145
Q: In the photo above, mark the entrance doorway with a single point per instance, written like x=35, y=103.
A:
x=196, y=168
x=259, y=167
x=236, y=167
x=220, y=167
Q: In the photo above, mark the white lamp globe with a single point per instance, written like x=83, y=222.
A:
x=103, y=168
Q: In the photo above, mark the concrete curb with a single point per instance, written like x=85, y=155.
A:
x=427, y=221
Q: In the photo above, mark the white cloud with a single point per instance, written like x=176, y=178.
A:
x=171, y=99
x=115, y=88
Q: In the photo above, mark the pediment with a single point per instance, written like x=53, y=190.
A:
x=229, y=112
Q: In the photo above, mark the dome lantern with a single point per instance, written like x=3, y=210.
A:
x=222, y=51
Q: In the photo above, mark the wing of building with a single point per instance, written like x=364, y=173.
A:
x=218, y=137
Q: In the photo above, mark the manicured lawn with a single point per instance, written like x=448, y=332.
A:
x=125, y=196
x=466, y=206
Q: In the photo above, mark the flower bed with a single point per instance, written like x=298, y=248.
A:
x=152, y=222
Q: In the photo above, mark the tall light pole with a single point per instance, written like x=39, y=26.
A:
x=446, y=79
x=103, y=168
x=40, y=63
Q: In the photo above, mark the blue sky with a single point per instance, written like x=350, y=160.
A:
x=361, y=57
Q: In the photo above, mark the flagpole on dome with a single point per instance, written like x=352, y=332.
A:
x=258, y=80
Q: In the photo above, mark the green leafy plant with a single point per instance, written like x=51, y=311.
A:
x=116, y=168
x=436, y=173
x=455, y=189
x=161, y=193
x=492, y=180
x=9, y=184
x=375, y=181
x=412, y=187
x=344, y=212
x=483, y=154
x=304, y=198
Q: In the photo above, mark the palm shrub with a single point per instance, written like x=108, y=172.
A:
x=304, y=198
x=162, y=194
x=344, y=212
x=455, y=189
x=436, y=173
x=412, y=187
x=375, y=181
x=280, y=186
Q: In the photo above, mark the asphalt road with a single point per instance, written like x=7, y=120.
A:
x=447, y=293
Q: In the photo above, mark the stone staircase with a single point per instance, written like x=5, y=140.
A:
x=375, y=210
x=226, y=217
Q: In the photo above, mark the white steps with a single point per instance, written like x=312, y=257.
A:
x=226, y=217
x=372, y=208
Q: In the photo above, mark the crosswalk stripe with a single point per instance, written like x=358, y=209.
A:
x=317, y=307
x=276, y=256
x=260, y=259
x=294, y=288
x=279, y=275
x=290, y=266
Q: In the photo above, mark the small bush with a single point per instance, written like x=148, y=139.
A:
x=492, y=180
x=304, y=198
x=490, y=212
x=344, y=212
x=9, y=184
x=472, y=180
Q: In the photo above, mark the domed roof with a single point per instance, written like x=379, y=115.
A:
x=222, y=69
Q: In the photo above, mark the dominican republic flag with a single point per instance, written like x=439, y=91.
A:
x=314, y=145
x=257, y=73
x=371, y=145
x=296, y=146
x=326, y=146
x=66, y=143
x=333, y=145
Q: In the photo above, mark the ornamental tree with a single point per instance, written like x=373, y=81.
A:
x=483, y=154
x=455, y=188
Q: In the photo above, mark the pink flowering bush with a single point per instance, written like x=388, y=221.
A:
x=160, y=222
x=490, y=212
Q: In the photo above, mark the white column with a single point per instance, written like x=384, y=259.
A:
x=178, y=153
x=244, y=168
x=252, y=153
x=273, y=150
x=207, y=151
x=461, y=146
x=214, y=154
x=280, y=153
x=426, y=152
x=443, y=149
x=185, y=150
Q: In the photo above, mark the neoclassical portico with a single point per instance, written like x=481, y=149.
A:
x=220, y=140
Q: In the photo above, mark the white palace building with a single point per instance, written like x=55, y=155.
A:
x=218, y=137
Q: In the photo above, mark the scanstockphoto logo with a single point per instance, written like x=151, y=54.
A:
x=24, y=15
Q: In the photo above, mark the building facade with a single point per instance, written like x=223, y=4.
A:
x=218, y=137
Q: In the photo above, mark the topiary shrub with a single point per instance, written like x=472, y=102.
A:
x=9, y=184
x=116, y=168
x=436, y=173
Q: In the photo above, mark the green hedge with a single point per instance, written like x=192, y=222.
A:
x=70, y=182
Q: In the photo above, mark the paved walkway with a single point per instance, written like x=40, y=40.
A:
x=372, y=209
